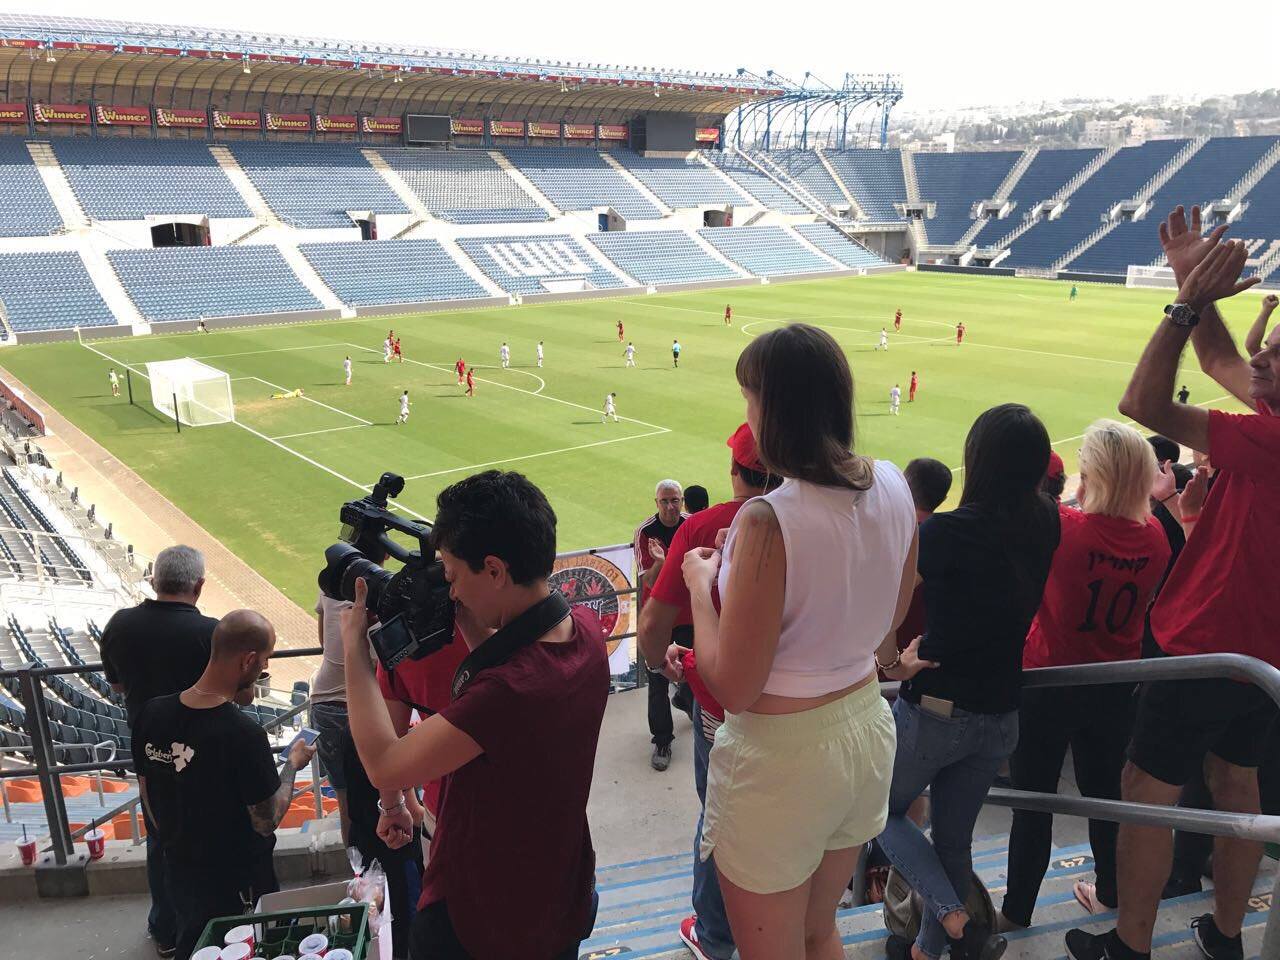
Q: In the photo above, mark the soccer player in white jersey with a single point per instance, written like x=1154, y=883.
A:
x=346, y=370
x=609, y=410
x=115, y=382
x=504, y=355
x=895, y=398
x=404, y=408
x=539, y=353
x=884, y=340
x=386, y=350
x=630, y=354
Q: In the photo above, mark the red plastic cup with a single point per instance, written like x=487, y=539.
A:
x=241, y=934
x=97, y=841
x=27, y=850
x=237, y=951
x=207, y=953
x=316, y=943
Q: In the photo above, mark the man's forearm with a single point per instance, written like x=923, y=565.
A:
x=284, y=796
x=654, y=633
x=1151, y=385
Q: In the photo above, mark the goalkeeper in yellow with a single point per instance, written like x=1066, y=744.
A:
x=288, y=395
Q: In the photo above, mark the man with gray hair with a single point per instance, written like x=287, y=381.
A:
x=157, y=648
x=651, y=541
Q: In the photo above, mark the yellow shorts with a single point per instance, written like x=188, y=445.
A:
x=782, y=790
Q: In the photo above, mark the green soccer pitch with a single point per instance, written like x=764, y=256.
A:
x=270, y=485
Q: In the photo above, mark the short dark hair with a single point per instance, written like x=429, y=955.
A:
x=500, y=514
x=805, y=388
x=241, y=632
x=930, y=482
x=1165, y=448
x=696, y=498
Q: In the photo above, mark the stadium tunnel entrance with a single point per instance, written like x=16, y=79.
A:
x=179, y=231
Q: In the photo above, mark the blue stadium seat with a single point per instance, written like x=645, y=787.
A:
x=391, y=271
x=520, y=264
x=680, y=182
x=26, y=209
x=117, y=179
x=50, y=291
x=660, y=256
x=463, y=186
x=766, y=190
x=315, y=184
x=577, y=178
x=805, y=167
x=835, y=244
x=182, y=283
x=1048, y=172
x=874, y=177
x=765, y=251
x=954, y=182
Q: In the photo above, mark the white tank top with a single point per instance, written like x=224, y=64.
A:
x=845, y=552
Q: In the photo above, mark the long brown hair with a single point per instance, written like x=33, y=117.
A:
x=805, y=388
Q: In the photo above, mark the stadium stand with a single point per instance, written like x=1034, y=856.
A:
x=1204, y=178
x=835, y=244
x=660, y=256
x=805, y=167
x=580, y=179
x=463, y=186
x=181, y=283
x=520, y=264
x=680, y=182
x=49, y=291
x=955, y=182
x=313, y=184
x=874, y=178
x=1117, y=180
x=1049, y=172
x=391, y=271
x=765, y=251
x=746, y=175
x=1261, y=217
x=71, y=567
x=26, y=209
x=117, y=179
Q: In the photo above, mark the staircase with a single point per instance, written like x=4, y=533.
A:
x=643, y=902
x=1015, y=174
x=527, y=185
x=252, y=231
x=715, y=254
x=1256, y=173
x=751, y=201
x=858, y=213
x=1083, y=245
x=4, y=324
x=55, y=181
x=113, y=293
x=468, y=266
x=816, y=251
x=779, y=176
x=1163, y=175
x=244, y=186
x=398, y=186
x=1268, y=265
x=639, y=187
x=909, y=176
x=311, y=280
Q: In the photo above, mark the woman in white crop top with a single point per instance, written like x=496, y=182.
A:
x=814, y=579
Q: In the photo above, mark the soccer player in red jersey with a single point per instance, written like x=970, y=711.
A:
x=728, y=314
x=461, y=367
x=621, y=335
x=897, y=320
x=959, y=333
x=395, y=350
x=911, y=389
x=471, y=381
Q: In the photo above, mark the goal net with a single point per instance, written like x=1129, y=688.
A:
x=194, y=393
x=1148, y=276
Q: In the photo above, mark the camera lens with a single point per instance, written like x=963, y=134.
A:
x=344, y=564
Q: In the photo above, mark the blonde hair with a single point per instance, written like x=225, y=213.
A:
x=1117, y=467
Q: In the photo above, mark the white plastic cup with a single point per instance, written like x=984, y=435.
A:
x=316, y=943
x=241, y=934
x=310, y=956
x=237, y=951
x=208, y=953
x=339, y=953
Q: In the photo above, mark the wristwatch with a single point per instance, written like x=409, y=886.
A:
x=1181, y=314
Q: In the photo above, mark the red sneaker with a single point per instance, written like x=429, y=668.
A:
x=690, y=937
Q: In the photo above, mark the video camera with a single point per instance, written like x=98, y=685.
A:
x=413, y=607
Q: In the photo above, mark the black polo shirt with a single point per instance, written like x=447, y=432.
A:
x=154, y=649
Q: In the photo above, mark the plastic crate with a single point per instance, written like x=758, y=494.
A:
x=278, y=934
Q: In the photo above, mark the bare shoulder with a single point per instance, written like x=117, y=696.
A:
x=757, y=515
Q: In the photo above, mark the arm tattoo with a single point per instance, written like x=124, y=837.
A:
x=267, y=814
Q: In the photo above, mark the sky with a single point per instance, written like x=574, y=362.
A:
x=949, y=55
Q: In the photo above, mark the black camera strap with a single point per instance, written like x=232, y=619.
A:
x=525, y=629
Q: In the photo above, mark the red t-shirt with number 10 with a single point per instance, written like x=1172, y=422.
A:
x=1103, y=575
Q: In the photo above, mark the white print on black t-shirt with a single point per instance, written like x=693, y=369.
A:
x=1136, y=564
x=179, y=754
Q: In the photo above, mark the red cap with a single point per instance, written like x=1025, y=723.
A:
x=743, y=445
x=1056, y=468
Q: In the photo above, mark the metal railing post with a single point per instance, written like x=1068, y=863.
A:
x=55, y=806
x=133, y=818
x=315, y=785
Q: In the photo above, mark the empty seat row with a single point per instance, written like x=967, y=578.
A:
x=26, y=209
x=767, y=191
x=874, y=178
x=660, y=256
x=765, y=251
x=681, y=181
x=954, y=182
x=50, y=291
x=835, y=244
x=391, y=271
x=520, y=264
x=463, y=186
x=580, y=179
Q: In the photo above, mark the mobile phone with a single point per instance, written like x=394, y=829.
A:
x=306, y=735
x=939, y=708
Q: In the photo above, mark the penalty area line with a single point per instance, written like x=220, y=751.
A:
x=544, y=453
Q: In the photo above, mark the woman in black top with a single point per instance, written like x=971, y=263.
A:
x=984, y=567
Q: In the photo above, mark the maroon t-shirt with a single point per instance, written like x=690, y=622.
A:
x=512, y=854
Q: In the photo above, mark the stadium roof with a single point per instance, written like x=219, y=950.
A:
x=194, y=64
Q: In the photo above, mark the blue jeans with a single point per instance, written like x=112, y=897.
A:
x=714, y=936
x=958, y=758
x=162, y=924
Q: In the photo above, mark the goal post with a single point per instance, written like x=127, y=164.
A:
x=1148, y=276
x=190, y=392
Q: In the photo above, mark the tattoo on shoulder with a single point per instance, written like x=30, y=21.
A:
x=262, y=816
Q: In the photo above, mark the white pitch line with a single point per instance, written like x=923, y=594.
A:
x=367, y=423
x=275, y=443
x=507, y=386
x=249, y=353
x=542, y=384
x=312, y=433
x=532, y=456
